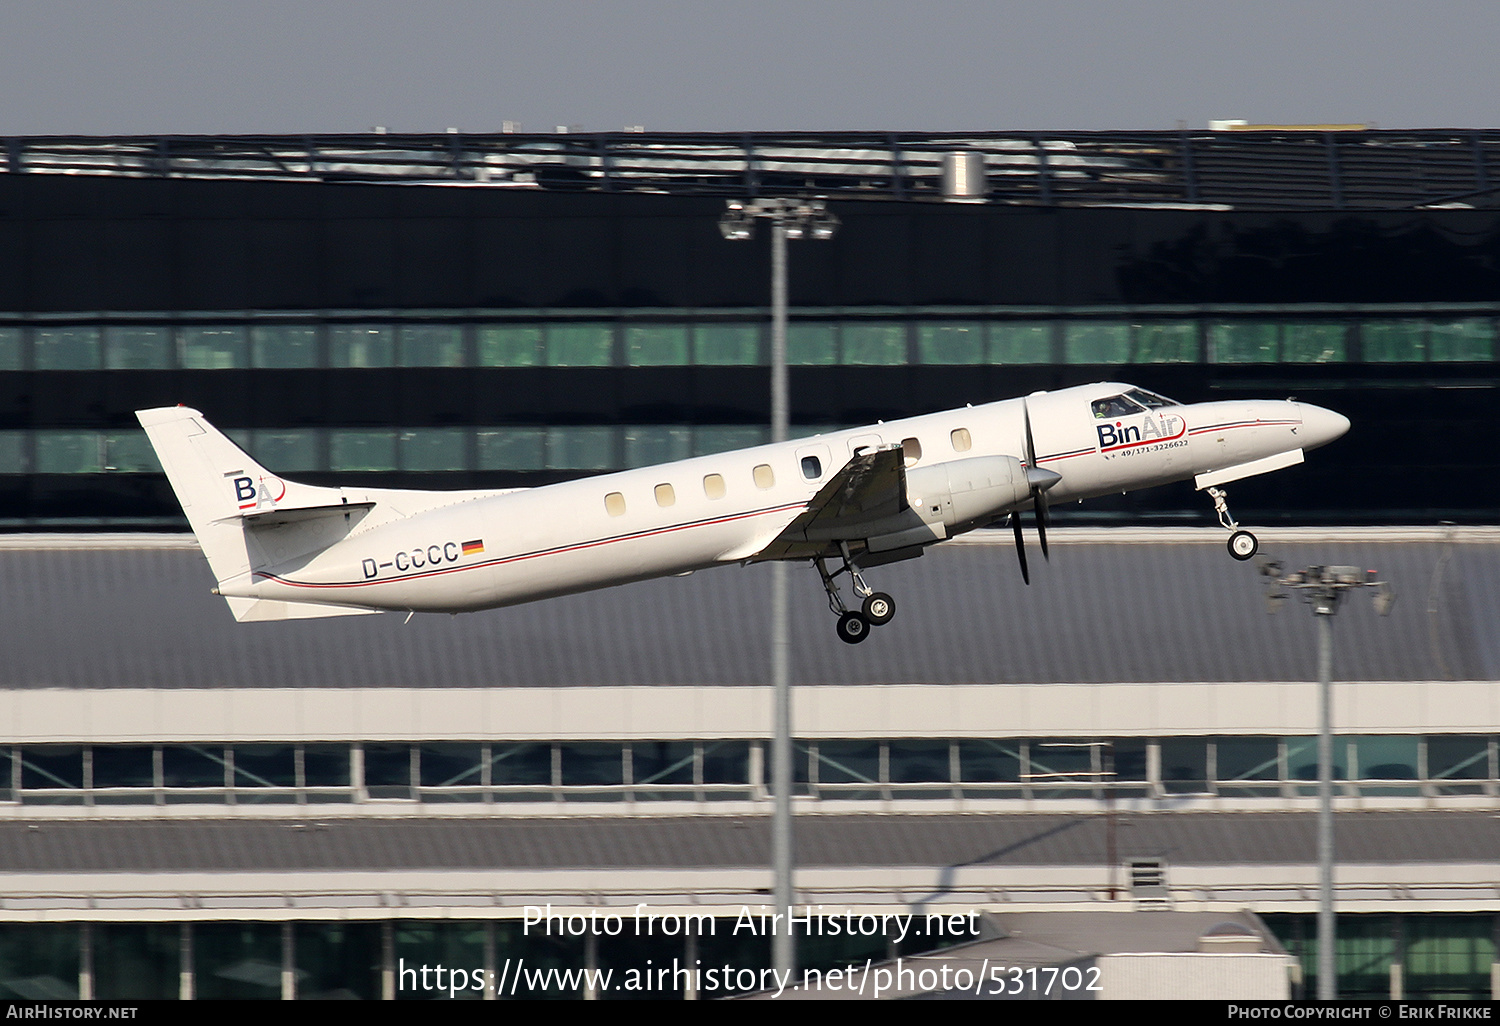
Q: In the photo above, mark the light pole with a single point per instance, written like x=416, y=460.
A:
x=1322, y=587
x=790, y=219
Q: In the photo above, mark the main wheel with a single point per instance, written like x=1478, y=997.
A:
x=853, y=628
x=879, y=608
x=1243, y=545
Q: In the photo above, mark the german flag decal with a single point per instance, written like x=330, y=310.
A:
x=472, y=548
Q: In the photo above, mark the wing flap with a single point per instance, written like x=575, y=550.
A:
x=869, y=489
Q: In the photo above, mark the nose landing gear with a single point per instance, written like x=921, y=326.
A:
x=1242, y=544
x=877, y=608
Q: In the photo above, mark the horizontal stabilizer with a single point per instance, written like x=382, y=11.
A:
x=249, y=610
x=278, y=517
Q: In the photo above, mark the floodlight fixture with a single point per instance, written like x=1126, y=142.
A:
x=1322, y=587
x=791, y=218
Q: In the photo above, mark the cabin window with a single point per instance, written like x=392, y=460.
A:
x=713, y=486
x=812, y=468
x=665, y=496
x=764, y=477
x=614, y=504
x=962, y=442
x=911, y=450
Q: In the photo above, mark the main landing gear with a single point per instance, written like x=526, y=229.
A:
x=1242, y=544
x=876, y=609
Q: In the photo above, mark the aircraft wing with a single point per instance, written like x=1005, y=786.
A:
x=871, y=487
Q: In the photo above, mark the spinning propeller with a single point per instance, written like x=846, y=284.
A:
x=1038, y=480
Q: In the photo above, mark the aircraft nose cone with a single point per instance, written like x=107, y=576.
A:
x=1320, y=426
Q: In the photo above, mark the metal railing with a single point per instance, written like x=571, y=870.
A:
x=1251, y=170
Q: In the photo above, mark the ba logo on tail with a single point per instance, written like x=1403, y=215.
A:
x=250, y=496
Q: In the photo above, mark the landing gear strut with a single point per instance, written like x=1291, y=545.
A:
x=1242, y=544
x=876, y=609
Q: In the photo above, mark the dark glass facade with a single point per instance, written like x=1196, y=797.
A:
x=427, y=336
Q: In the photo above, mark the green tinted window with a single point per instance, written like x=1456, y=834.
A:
x=265, y=766
x=726, y=344
x=130, y=452
x=372, y=449
x=1313, y=343
x=10, y=348
x=509, y=346
x=288, y=451
x=649, y=445
x=950, y=343
x=580, y=448
x=1462, y=341
x=1385, y=758
x=432, y=449
x=1166, y=343
x=1302, y=758
x=811, y=344
x=1248, y=758
x=512, y=448
x=1096, y=343
x=1020, y=342
x=591, y=762
x=13, y=452
x=325, y=765
x=1242, y=343
x=431, y=345
x=656, y=345
x=220, y=348
x=874, y=343
x=450, y=765
x=580, y=345
x=1394, y=341
x=74, y=348
x=712, y=438
x=360, y=345
x=848, y=762
x=988, y=761
x=918, y=762
x=284, y=345
x=1184, y=765
x=726, y=762
x=1060, y=761
x=1458, y=758
x=137, y=347
x=661, y=762
x=68, y=452
x=515, y=764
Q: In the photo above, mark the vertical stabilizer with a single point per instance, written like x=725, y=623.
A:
x=218, y=484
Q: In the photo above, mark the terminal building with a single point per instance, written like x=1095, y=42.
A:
x=197, y=808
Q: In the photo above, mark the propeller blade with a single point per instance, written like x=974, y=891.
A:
x=1030, y=452
x=1039, y=501
x=1015, y=523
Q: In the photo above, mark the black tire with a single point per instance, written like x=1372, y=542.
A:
x=1243, y=545
x=853, y=628
x=879, y=608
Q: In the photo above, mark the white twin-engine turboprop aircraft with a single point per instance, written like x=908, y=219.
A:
x=861, y=498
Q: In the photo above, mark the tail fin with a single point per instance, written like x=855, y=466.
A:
x=224, y=493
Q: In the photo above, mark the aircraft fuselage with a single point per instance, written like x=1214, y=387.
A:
x=485, y=550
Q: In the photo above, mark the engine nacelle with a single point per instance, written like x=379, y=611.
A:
x=962, y=491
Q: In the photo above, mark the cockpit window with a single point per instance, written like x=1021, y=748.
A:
x=1151, y=400
x=1114, y=406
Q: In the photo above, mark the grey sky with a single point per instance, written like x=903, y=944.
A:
x=289, y=66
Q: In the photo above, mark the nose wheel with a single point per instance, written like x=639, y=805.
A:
x=876, y=609
x=1242, y=544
